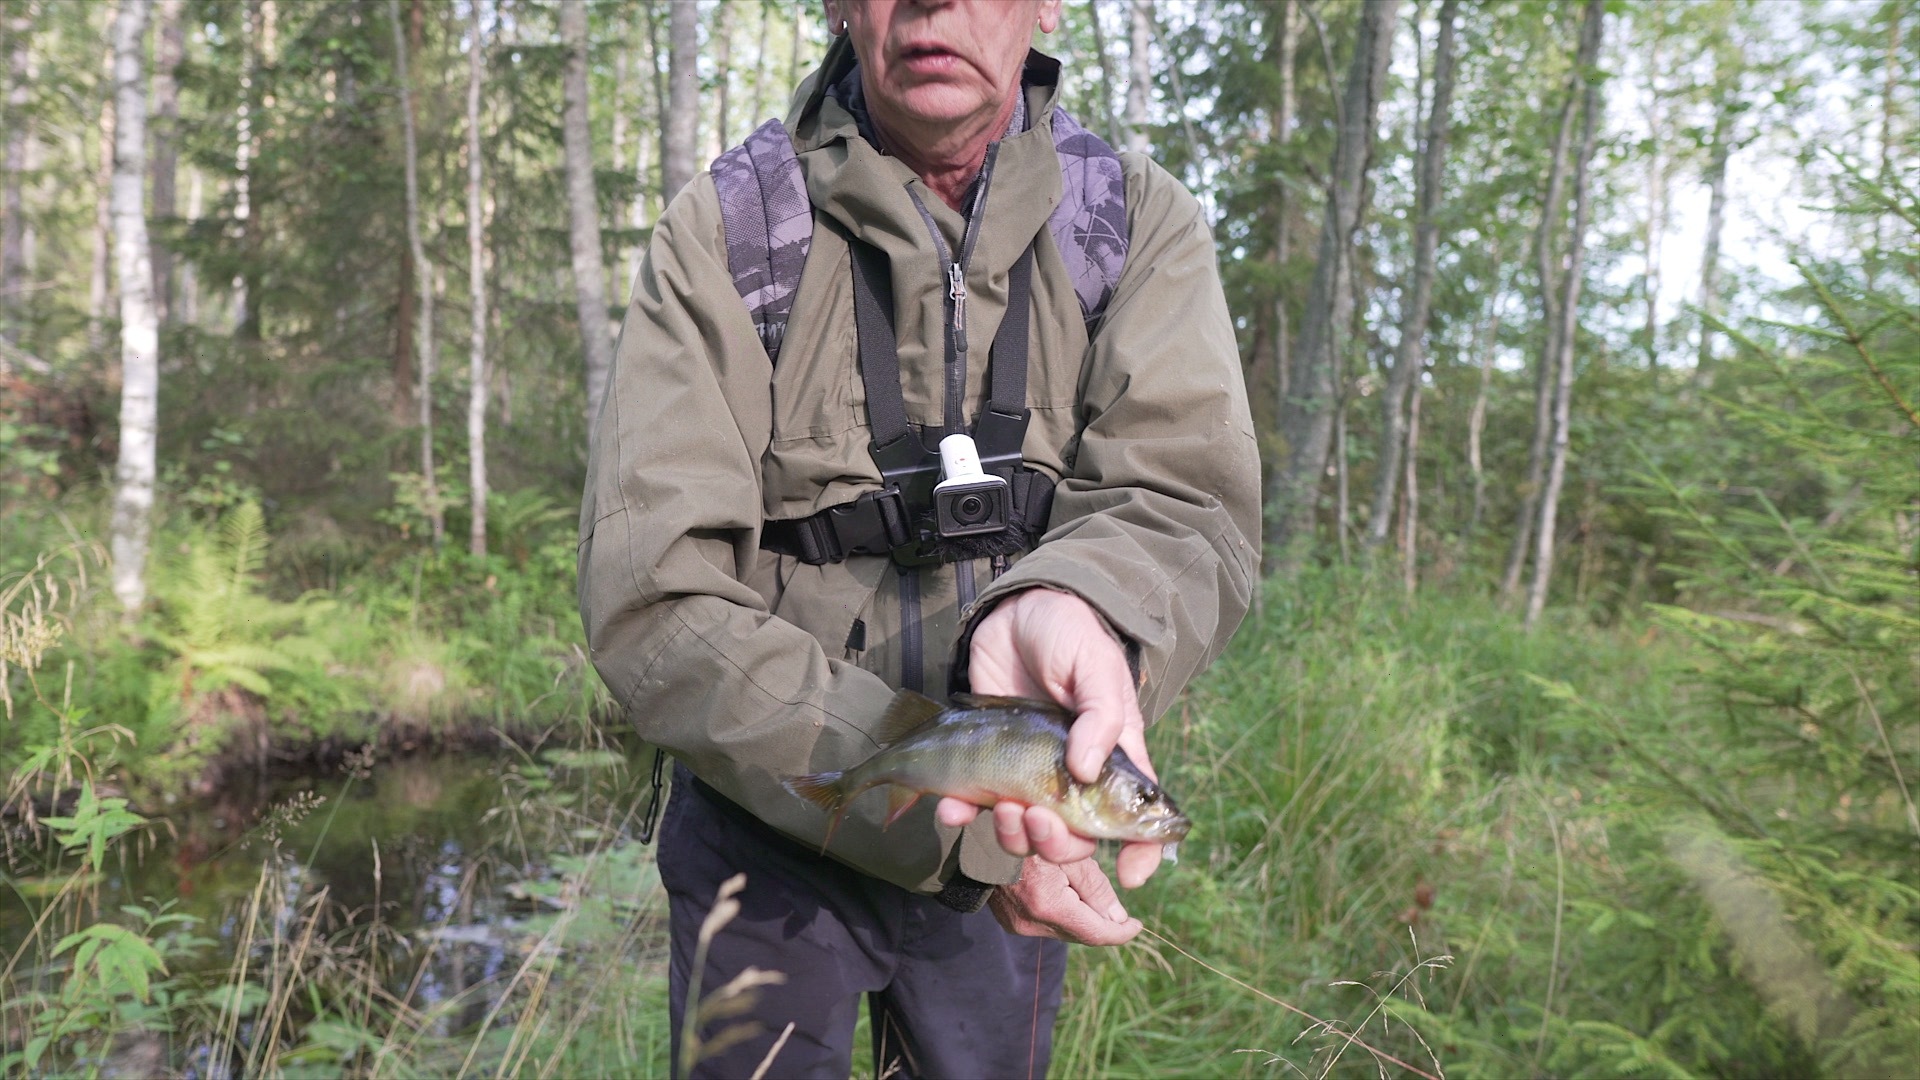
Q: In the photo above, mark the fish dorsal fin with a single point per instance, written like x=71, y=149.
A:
x=989, y=701
x=906, y=714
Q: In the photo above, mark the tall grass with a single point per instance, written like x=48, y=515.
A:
x=1378, y=785
x=1423, y=837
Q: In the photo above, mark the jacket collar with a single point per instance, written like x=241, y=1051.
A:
x=851, y=182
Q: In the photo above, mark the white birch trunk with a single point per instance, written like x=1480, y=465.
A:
x=1546, y=253
x=169, y=51
x=1477, y=421
x=100, y=270
x=1410, y=514
x=423, y=271
x=13, y=232
x=683, y=98
x=722, y=42
x=1716, y=224
x=1410, y=357
x=1140, y=79
x=139, y=324
x=477, y=287
x=1591, y=32
x=1308, y=415
x=1105, y=55
x=242, y=164
x=1286, y=49
x=589, y=273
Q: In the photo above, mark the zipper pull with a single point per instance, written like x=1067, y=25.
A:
x=957, y=292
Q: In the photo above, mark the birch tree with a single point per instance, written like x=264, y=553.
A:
x=722, y=39
x=1286, y=47
x=1546, y=254
x=477, y=286
x=1410, y=354
x=402, y=402
x=13, y=249
x=99, y=276
x=169, y=50
x=1107, y=79
x=1139, y=76
x=1307, y=415
x=589, y=273
x=423, y=275
x=683, y=92
x=1591, y=31
x=139, y=324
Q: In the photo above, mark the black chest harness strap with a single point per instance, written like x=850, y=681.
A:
x=897, y=520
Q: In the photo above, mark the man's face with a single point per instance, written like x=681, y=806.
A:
x=937, y=62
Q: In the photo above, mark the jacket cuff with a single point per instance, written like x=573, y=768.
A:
x=960, y=682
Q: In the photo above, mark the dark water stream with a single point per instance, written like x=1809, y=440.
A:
x=440, y=868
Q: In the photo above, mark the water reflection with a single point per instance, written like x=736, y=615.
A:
x=428, y=878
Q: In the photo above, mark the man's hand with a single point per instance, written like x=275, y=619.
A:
x=1073, y=902
x=1051, y=645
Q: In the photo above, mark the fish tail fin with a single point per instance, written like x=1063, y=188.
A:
x=825, y=791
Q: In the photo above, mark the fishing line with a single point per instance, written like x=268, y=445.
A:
x=1352, y=1039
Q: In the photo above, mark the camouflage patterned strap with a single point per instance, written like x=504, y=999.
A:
x=768, y=224
x=1089, y=226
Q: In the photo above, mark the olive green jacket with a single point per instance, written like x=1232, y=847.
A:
x=739, y=662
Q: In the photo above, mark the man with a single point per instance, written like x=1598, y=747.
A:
x=926, y=142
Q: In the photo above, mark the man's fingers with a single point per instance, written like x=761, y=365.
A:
x=955, y=813
x=1095, y=890
x=1134, y=741
x=1048, y=901
x=1010, y=828
x=1049, y=837
x=1136, y=863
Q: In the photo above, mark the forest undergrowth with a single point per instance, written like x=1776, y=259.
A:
x=1423, y=836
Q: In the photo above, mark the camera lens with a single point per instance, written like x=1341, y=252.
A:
x=969, y=509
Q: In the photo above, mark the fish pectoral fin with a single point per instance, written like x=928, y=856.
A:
x=906, y=714
x=899, y=801
x=990, y=701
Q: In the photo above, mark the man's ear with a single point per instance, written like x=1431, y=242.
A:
x=1049, y=16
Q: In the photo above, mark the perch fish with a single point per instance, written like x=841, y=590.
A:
x=986, y=749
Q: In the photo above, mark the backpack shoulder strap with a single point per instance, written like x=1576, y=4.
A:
x=768, y=224
x=1090, y=224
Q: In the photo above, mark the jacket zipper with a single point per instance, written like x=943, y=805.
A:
x=953, y=412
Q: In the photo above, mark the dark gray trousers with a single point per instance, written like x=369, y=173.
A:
x=950, y=995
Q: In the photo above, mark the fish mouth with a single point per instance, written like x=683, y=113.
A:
x=1170, y=830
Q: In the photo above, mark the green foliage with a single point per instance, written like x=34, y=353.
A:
x=94, y=824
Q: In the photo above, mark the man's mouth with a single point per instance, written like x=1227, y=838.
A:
x=927, y=57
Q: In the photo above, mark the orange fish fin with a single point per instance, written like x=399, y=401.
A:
x=899, y=801
x=825, y=791
x=906, y=714
x=990, y=701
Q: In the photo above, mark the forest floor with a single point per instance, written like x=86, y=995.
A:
x=1423, y=842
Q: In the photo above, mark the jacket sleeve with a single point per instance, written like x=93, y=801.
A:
x=670, y=527
x=1156, y=521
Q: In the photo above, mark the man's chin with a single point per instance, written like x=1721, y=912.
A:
x=940, y=105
